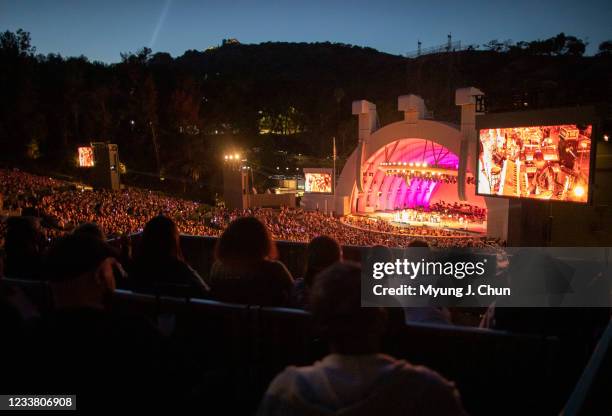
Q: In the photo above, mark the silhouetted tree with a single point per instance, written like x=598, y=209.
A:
x=605, y=48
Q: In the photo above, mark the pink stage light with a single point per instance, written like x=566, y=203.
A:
x=394, y=191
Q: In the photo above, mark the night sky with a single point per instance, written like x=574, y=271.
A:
x=101, y=30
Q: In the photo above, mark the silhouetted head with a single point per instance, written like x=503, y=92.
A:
x=335, y=302
x=245, y=240
x=160, y=240
x=23, y=246
x=80, y=271
x=379, y=253
x=322, y=252
x=22, y=233
x=91, y=228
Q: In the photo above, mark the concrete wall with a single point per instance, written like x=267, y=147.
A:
x=270, y=200
x=321, y=202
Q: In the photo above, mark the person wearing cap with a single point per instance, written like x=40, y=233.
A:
x=85, y=347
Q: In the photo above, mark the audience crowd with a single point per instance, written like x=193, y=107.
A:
x=87, y=342
x=62, y=207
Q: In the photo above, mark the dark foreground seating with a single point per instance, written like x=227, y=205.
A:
x=212, y=345
x=37, y=291
x=497, y=372
x=591, y=394
x=238, y=349
x=127, y=302
x=284, y=337
x=206, y=327
x=215, y=331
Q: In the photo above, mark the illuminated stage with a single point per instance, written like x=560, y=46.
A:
x=432, y=220
x=415, y=163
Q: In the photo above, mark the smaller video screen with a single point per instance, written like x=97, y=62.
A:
x=537, y=162
x=317, y=182
x=86, y=157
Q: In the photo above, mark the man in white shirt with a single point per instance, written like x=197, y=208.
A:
x=355, y=379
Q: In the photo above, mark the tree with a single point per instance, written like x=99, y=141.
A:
x=605, y=48
x=574, y=46
x=494, y=46
x=142, y=56
x=16, y=44
x=148, y=100
x=559, y=45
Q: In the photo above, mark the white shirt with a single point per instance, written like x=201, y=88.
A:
x=360, y=384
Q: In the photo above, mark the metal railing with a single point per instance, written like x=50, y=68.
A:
x=444, y=48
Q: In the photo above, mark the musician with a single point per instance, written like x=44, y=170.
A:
x=544, y=181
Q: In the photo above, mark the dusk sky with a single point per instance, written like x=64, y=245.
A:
x=101, y=30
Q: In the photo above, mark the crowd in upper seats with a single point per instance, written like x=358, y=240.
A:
x=61, y=207
x=20, y=189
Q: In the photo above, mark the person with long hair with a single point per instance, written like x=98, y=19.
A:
x=159, y=265
x=322, y=252
x=245, y=268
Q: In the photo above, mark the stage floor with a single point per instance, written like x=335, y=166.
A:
x=479, y=228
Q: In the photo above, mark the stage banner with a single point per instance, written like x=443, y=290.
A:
x=481, y=277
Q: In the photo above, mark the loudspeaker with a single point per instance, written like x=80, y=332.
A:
x=235, y=186
x=106, y=166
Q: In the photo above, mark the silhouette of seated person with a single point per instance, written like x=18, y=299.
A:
x=90, y=228
x=23, y=247
x=537, y=278
x=425, y=314
x=355, y=379
x=159, y=264
x=322, y=252
x=82, y=347
x=245, y=268
x=12, y=332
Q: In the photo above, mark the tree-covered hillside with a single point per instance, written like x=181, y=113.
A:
x=177, y=116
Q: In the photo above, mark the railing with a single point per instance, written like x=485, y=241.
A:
x=444, y=48
x=199, y=253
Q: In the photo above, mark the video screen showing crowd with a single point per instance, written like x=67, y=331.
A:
x=318, y=182
x=538, y=162
x=86, y=157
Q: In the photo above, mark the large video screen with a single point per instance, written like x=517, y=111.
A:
x=537, y=162
x=86, y=157
x=318, y=182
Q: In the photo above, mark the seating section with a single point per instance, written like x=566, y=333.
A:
x=37, y=292
x=284, y=337
x=512, y=369
x=128, y=302
x=497, y=372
